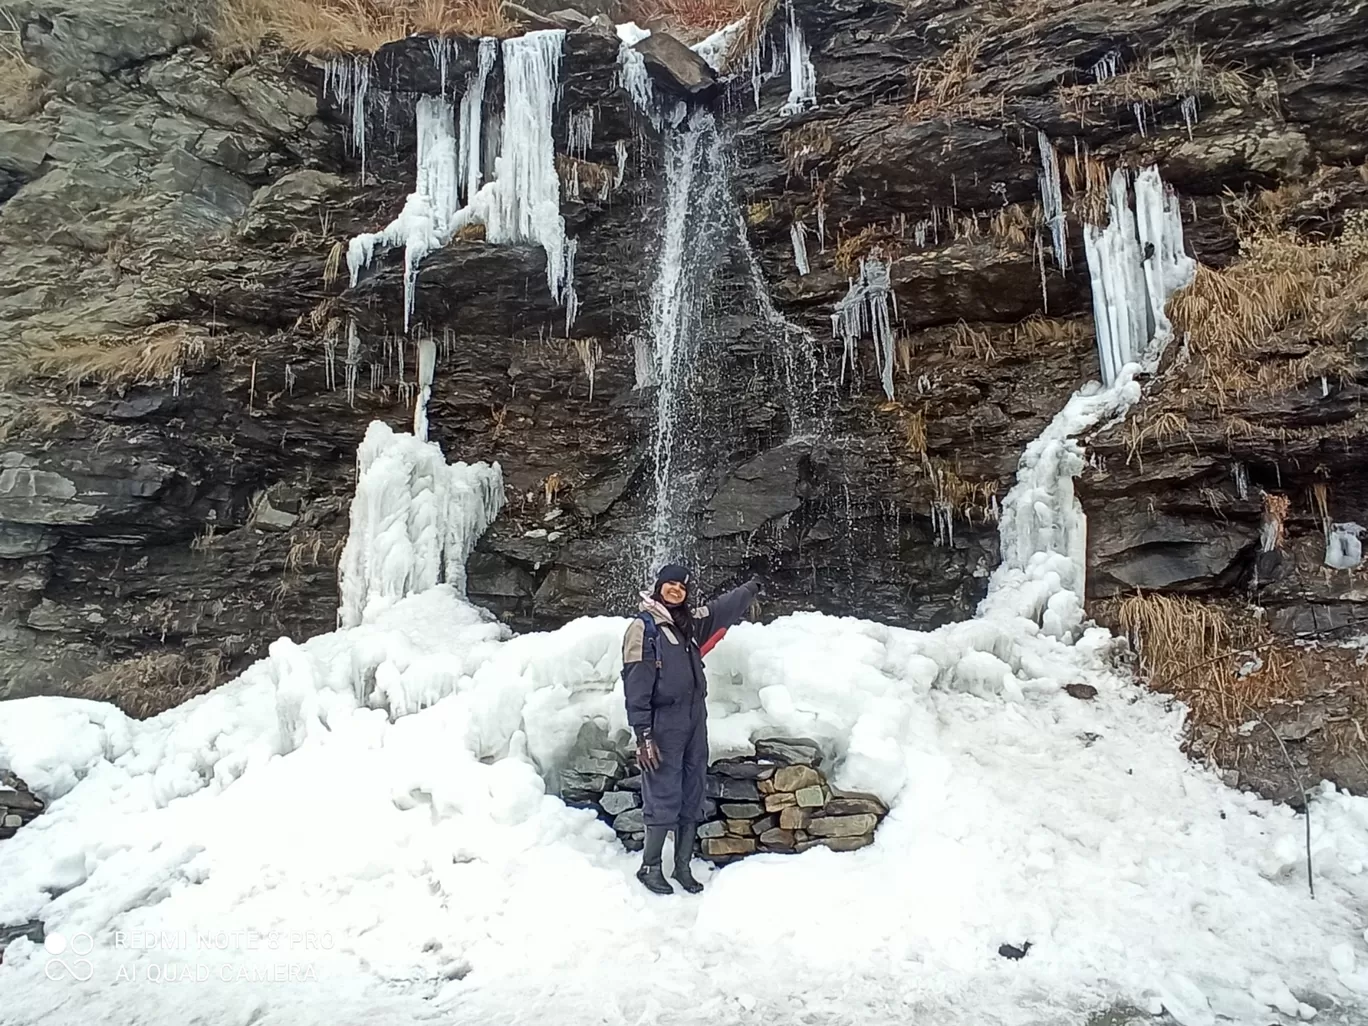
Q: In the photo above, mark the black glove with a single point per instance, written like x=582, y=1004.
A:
x=648, y=752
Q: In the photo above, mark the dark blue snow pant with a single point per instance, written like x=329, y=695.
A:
x=674, y=793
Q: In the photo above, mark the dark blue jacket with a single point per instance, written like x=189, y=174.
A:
x=658, y=697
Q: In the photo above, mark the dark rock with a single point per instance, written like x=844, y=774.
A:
x=742, y=769
x=32, y=930
x=855, y=806
x=1013, y=952
x=676, y=68
x=1081, y=691
x=789, y=751
x=632, y=783
x=731, y=789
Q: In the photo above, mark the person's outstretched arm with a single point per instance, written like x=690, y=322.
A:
x=727, y=609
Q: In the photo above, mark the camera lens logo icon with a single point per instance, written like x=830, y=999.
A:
x=79, y=944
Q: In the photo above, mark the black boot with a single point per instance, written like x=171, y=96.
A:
x=684, y=842
x=649, y=873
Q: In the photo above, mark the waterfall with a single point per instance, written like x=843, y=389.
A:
x=708, y=301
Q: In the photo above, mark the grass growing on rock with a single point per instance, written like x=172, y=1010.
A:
x=352, y=26
x=112, y=362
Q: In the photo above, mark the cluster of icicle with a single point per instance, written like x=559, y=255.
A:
x=414, y=520
x=521, y=200
x=1136, y=262
x=864, y=310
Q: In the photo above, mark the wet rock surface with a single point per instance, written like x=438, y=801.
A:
x=185, y=207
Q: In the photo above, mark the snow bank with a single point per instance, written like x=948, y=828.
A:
x=371, y=801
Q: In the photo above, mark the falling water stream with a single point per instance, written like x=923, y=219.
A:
x=711, y=319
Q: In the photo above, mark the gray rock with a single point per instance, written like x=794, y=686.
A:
x=22, y=148
x=268, y=518
x=223, y=192
x=292, y=202
x=589, y=765
x=74, y=37
x=712, y=828
x=615, y=802
x=675, y=67
x=584, y=783
x=20, y=540
x=811, y=797
x=631, y=783
x=629, y=822
x=836, y=843
x=789, y=751
x=756, y=493
x=12, y=820
x=279, y=106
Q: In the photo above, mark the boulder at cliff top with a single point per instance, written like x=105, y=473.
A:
x=676, y=68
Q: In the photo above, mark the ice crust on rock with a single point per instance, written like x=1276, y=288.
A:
x=520, y=203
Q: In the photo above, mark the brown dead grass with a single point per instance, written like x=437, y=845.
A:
x=808, y=142
x=150, y=684
x=1174, y=70
x=690, y=20
x=940, y=85
x=153, y=356
x=910, y=426
x=1284, y=290
x=1194, y=649
x=585, y=179
x=351, y=26
x=972, y=500
x=40, y=419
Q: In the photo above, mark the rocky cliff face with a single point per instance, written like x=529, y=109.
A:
x=184, y=403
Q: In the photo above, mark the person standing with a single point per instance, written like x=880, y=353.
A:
x=665, y=689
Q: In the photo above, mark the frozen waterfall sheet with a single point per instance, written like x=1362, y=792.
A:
x=520, y=202
x=378, y=787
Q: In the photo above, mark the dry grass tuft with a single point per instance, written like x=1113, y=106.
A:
x=150, y=684
x=1221, y=662
x=1013, y=226
x=939, y=86
x=1039, y=330
x=1158, y=426
x=1175, y=70
x=911, y=426
x=809, y=142
x=969, y=499
x=584, y=179
x=156, y=356
x=40, y=419
x=1285, y=290
x=690, y=20
x=352, y=26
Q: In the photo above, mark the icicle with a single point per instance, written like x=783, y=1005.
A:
x=1189, y=110
x=521, y=202
x=865, y=309
x=330, y=362
x=346, y=80
x=798, y=233
x=1107, y=67
x=632, y=74
x=821, y=223
x=444, y=50
x=1343, y=547
x=427, y=364
x=1135, y=263
x=290, y=378
x=1139, y=111
x=470, y=169
x=580, y=133
x=352, y=361
x=802, y=76
x=1241, y=474
x=571, y=297
x=1052, y=200
x=621, y=163
x=376, y=376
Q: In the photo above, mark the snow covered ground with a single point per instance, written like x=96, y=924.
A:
x=356, y=830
